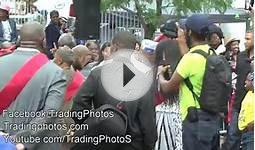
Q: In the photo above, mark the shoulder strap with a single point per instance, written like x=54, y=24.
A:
x=203, y=53
x=74, y=86
x=190, y=87
x=13, y=88
x=187, y=80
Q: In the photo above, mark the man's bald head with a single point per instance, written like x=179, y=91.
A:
x=32, y=31
x=81, y=50
x=66, y=39
x=66, y=55
x=82, y=56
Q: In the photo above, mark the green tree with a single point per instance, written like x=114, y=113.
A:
x=152, y=17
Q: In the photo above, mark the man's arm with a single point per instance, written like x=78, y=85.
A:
x=56, y=92
x=242, y=69
x=1, y=34
x=14, y=32
x=183, y=71
x=182, y=41
x=250, y=126
x=54, y=99
x=49, y=37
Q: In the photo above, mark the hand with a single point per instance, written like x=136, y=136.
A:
x=162, y=69
x=20, y=146
x=182, y=41
x=181, y=34
x=222, y=115
x=250, y=126
x=53, y=50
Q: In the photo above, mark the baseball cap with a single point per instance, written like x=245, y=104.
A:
x=169, y=28
x=5, y=7
x=198, y=23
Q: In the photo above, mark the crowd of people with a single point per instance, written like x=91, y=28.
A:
x=45, y=71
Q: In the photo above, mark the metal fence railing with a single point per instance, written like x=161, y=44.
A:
x=115, y=21
x=21, y=19
x=111, y=23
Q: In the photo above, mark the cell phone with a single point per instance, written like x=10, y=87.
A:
x=167, y=73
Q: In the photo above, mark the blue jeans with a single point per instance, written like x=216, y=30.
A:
x=248, y=140
x=233, y=140
x=202, y=134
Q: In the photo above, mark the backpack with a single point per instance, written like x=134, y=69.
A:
x=216, y=87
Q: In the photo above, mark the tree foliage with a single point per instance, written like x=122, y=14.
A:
x=183, y=7
x=151, y=17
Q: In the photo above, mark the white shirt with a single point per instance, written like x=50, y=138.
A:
x=220, y=49
x=6, y=30
x=28, y=49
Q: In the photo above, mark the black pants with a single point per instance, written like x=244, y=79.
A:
x=233, y=140
x=202, y=134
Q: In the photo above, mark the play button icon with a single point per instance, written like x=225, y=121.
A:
x=125, y=77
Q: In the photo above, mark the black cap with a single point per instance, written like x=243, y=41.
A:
x=198, y=23
x=169, y=29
